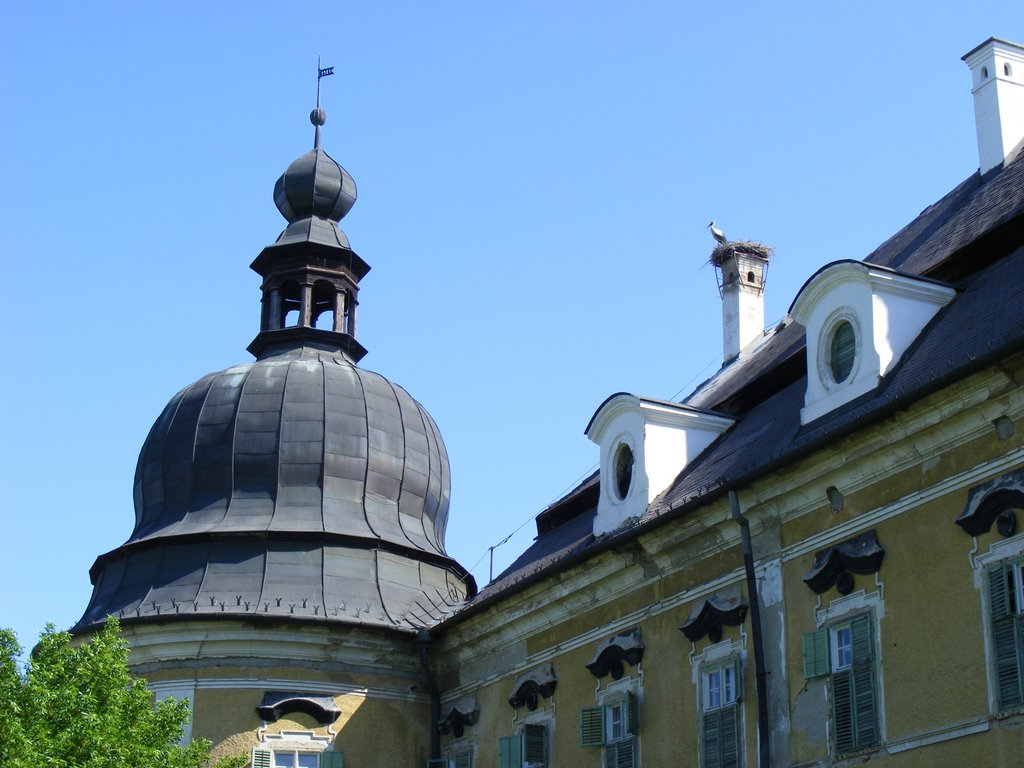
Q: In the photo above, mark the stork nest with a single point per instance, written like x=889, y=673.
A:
x=741, y=247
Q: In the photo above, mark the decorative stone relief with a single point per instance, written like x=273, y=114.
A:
x=610, y=656
x=455, y=717
x=277, y=704
x=708, y=618
x=530, y=685
x=835, y=566
x=996, y=501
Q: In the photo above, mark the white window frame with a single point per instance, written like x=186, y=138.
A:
x=1000, y=553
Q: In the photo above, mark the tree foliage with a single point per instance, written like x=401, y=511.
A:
x=76, y=706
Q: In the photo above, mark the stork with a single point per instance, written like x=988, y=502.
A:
x=716, y=233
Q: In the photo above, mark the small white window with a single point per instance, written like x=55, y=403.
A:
x=617, y=721
x=842, y=647
x=290, y=759
x=719, y=687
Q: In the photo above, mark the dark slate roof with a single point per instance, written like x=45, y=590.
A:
x=974, y=235
x=298, y=484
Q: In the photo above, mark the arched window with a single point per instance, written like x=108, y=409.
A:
x=322, y=315
x=291, y=303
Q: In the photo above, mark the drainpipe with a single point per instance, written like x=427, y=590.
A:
x=760, y=676
x=423, y=642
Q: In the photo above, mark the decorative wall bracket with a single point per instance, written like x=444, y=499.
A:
x=277, y=704
x=996, y=501
x=528, y=686
x=457, y=716
x=709, y=617
x=626, y=647
x=835, y=566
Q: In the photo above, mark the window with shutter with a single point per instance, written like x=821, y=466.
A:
x=464, y=759
x=1005, y=592
x=846, y=653
x=854, y=715
x=720, y=695
x=261, y=758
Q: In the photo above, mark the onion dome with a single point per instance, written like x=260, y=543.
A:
x=298, y=486
x=314, y=194
x=315, y=184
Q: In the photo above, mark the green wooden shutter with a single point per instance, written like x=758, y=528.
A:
x=860, y=637
x=865, y=716
x=738, y=677
x=842, y=710
x=621, y=753
x=438, y=762
x=510, y=752
x=729, y=736
x=260, y=758
x=332, y=760
x=1006, y=637
x=464, y=759
x=535, y=745
x=592, y=726
x=711, y=739
x=721, y=739
x=817, y=659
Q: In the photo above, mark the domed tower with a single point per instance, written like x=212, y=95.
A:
x=289, y=521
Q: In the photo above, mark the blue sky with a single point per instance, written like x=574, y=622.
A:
x=535, y=181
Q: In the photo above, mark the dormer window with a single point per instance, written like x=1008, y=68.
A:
x=860, y=320
x=645, y=444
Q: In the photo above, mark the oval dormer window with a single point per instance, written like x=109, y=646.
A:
x=623, y=470
x=842, y=349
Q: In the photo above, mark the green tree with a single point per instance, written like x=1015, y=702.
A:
x=76, y=706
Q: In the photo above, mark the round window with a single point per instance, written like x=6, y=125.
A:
x=623, y=469
x=842, y=349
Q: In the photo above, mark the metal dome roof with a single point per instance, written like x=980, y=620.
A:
x=298, y=484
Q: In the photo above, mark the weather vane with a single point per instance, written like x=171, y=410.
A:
x=321, y=73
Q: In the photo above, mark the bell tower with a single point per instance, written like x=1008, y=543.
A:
x=311, y=274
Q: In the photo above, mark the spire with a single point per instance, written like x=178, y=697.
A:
x=311, y=274
x=318, y=117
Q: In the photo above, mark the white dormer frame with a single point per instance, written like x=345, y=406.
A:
x=650, y=442
x=886, y=310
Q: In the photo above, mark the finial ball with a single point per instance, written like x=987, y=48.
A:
x=318, y=117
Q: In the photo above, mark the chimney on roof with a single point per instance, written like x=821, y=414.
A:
x=997, y=83
x=741, y=269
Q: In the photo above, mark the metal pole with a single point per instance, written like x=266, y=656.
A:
x=760, y=675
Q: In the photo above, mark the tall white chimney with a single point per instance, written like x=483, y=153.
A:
x=997, y=82
x=741, y=273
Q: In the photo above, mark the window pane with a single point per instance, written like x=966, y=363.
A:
x=284, y=759
x=843, y=644
x=307, y=760
x=729, y=688
x=844, y=344
x=1018, y=592
x=714, y=689
x=615, y=725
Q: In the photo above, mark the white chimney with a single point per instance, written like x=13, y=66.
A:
x=741, y=272
x=997, y=82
